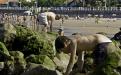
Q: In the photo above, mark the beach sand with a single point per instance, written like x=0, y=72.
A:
x=88, y=26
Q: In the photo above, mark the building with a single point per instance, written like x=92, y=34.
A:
x=3, y=1
x=13, y=3
x=13, y=0
x=10, y=3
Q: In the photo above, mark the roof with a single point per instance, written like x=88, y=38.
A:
x=13, y=0
x=5, y=1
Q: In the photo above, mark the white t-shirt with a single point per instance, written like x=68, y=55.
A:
x=43, y=19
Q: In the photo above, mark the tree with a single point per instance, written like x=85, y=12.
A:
x=25, y=3
x=50, y=2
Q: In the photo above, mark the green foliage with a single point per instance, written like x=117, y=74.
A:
x=109, y=70
x=16, y=54
x=50, y=2
x=42, y=3
x=93, y=3
x=25, y=3
x=113, y=59
x=106, y=70
x=58, y=2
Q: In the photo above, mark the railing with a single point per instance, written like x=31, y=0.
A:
x=82, y=8
x=72, y=11
x=67, y=8
x=84, y=11
x=14, y=8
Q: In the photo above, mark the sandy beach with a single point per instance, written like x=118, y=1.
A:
x=88, y=26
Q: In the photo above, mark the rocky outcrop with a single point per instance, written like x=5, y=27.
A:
x=112, y=64
x=61, y=61
x=39, y=70
x=19, y=62
x=44, y=60
x=7, y=32
x=33, y=53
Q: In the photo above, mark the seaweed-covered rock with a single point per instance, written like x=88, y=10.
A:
x=61, y=61
x=31, y=42
x=7, y=61
x=1, y=65
x=4, y=53
x=7, y=32
x=40, y=70
x=43, y=60
x=19, y=62
x=117, y=43
x=3, y=49
x=112, y=63
x=32, y=68
x=16, y=54
x=18, y=59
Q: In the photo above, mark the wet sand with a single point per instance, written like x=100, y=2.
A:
x=88, y=26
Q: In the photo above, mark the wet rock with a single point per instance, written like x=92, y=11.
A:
x=116, y=43
x=31, y=66
x=19, y=62
x=4, y=53
x=3, y=49
x=43, y=60
x=32, y=42
x=112, y=63
x=61, y=61
x=40, y=70
x=1, y=65
x=7, y=32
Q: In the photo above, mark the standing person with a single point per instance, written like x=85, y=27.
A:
x=24, y=20
x=42, y=19
x=62, y=20
x=61, y=31
x=77, y=45
x=97, y=19
x=47, y=19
